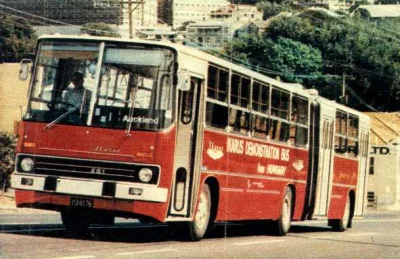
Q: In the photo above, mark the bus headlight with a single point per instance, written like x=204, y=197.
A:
x=27, y=164
x=145, y=175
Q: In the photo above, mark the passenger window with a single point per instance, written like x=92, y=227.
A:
x=240, y=90
x=239, y=121
x=280, y=103
x=216, y=115
x=278, y=130
x=299, y=121
x=217, y=83
x=260, y=97
x=260, y=126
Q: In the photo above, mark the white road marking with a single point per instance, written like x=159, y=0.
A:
x=362, y=234
x=75, y=257
x=344, y=235
x=375, y=220
x=257, y=242
x=146, y=251
x=324, y=237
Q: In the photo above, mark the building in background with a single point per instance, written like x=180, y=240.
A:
x=177, y=12
x=379, y=12
x=237, y=13
x=13, y=97
x=384, y=167
x=76, y=12
x=144, y=15
x=207, y=34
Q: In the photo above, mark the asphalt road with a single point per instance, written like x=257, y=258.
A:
x=41, y=236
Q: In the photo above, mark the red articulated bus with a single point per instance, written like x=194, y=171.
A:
x=163, y=132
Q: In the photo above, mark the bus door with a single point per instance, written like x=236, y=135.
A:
x=362, y=172
x=325, y=162
x=187, y=153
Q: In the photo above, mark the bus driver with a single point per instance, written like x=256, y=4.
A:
x=77, y=94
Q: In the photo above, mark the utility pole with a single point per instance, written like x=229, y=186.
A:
x=130, y=19
x=130, y=13
x=344, y=98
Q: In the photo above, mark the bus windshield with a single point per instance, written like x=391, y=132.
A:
x=112, y=85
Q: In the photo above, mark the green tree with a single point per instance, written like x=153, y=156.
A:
x=7, y=155
x=290, y=60
x=358, y=49
x=17, y=38
x=99, y=29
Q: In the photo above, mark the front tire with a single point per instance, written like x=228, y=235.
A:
x=282, y=225
x=75, y=222
x=196, y=229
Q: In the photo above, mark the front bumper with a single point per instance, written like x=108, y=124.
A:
x=91, y=188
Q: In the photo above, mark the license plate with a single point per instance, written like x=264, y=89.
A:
x=82, y=203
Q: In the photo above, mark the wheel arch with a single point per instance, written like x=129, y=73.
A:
x=292, y=187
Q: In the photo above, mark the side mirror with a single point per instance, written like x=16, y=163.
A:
x=93, y=67
x=25, y=68
x=183, y=80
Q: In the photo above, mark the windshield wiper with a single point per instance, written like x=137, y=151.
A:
x=131, y=110
x=62, y=116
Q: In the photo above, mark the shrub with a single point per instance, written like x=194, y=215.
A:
x=7, y=156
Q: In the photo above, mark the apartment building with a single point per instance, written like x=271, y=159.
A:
x=177, y=12
x=76, y=12
x=237, y=13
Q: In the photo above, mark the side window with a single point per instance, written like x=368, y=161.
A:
x=260, y=97
x=346, y=134
x=217, y=106
x=299, y=121
x=239, y=121
x=216, y=115
x=280, y=103
x=186, y=98
x=260, y=126
x=240, y=90
x=217, y=84
x=239, y=114
x=340, y=133
x=352, y=141
x=279, y=129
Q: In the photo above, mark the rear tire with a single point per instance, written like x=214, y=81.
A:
x=282, y=225
x=340, y=225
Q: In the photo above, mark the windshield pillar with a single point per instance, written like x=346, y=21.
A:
x=97, y=82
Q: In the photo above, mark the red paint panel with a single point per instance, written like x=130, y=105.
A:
x=89, y=143
x=345, y=175
x=345, y=171
x=102, y=144
x=253, y=175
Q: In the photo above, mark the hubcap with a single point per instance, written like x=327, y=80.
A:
x=286, y=214
x=201, y=214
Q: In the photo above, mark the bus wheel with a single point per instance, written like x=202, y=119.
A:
x=75, y=222
x=341, y=224
x=198, y=227
x=282, y=225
